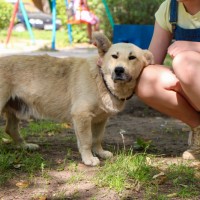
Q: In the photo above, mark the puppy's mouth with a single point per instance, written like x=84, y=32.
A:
x=119, y=75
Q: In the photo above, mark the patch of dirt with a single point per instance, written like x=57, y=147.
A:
x=168, y=136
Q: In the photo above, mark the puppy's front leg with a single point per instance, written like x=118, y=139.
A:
x=82, y=126
x=98, y=130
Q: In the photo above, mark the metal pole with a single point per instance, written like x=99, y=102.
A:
x=12, y=22
x=108, y=13
x=28, y=26
x=53, y=44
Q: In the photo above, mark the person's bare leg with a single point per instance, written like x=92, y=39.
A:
x=186, y=65
x=89, y=30
x=159, y=88
x=96, y=26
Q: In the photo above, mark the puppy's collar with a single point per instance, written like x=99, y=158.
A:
x=105, y=83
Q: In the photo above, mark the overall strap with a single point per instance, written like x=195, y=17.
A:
x=173, y=15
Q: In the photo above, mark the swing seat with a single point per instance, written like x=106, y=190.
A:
x=73, y=21
x=76, y=21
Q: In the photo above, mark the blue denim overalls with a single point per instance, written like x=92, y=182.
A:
x=178, y=32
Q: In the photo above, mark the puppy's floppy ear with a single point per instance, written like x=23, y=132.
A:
x=148, y=57
x=101, y=42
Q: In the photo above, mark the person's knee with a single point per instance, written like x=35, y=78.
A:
x=154, y=80
x=180, y=61
x=184, y=67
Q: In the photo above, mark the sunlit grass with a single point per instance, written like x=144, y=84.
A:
x=184, y=180
x=137, y=172
x=126, y=170
x=41, y=127
x=79, y=34
x=16, y=160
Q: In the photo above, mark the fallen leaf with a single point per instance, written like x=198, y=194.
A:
x=65, y=125
x=17, y=166
x=42, y=198
x=182, y=185
x=158, y=175
x=6, y=141
x=22, y=184
x=172, y=195
x=159, y=178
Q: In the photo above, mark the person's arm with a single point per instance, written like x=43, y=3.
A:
x=179, y=46
x=159, y=44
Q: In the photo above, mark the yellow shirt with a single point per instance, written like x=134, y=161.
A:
x=185, y=20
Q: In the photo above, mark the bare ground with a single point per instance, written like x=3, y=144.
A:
x=168, y=136
x=169, y=140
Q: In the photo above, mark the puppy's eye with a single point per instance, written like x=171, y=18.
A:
x=131, y=57
x=115, y=56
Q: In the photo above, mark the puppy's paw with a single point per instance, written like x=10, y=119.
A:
x=91, y=161
x=104, y=154
x=28, y=146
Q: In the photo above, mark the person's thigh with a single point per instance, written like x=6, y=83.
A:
x=186, y=66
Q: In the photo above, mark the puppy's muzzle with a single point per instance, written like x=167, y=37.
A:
x=119, y=75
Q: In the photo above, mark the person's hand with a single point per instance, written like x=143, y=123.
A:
x=180, y=46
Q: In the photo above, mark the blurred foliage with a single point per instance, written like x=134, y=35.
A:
x=5, y=14
x=122, y=11
x=133, y=11
x=129, y=12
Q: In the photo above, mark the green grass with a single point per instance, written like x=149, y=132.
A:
x=61, y=36
x=42, y=127
x=13, y=161
x=135, y=172
x=128, y=169
x=184, y=181
x=79, y=35
x=168, y=61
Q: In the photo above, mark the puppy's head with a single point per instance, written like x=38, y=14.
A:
x=121, y=62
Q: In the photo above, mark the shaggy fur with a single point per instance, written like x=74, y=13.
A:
x=75, y=89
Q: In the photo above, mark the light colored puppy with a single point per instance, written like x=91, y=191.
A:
x=76, y=89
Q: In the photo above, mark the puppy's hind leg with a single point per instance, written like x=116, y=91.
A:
x=12, y=129
x=98, y=133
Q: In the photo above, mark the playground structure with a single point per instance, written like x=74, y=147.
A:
x=139, y=35
x=20, y=4
x=72, y=21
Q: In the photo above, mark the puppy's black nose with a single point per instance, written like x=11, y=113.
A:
x=119, y=70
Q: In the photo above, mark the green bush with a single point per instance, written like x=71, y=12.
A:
x=5, y=14
x=129, y=12
x=133, y=11
x=123, y=12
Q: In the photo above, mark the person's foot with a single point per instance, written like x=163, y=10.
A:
x=191, y=154
x=194, y=145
